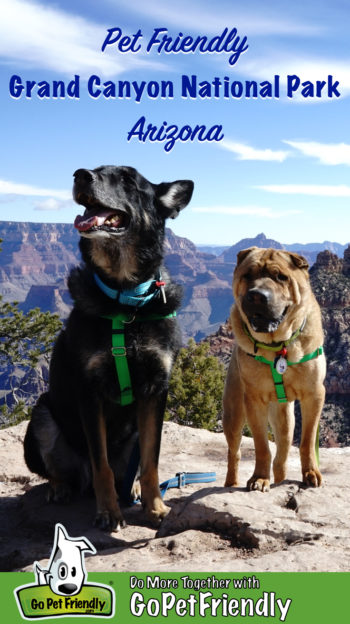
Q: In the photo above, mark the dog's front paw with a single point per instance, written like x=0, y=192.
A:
x=157, y=512
x=109, y=520
x=312, y=477
x=259, y=484
x=136, y=490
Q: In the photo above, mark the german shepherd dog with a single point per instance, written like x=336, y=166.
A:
x=81, y=431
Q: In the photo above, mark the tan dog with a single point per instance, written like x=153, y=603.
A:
x=277, y=326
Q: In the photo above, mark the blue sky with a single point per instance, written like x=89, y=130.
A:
x=283, y=164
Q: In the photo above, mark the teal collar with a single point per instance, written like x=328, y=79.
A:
x=136, y=297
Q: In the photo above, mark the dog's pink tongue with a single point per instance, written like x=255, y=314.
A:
x=83, y=223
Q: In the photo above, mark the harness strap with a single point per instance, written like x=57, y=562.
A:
x=278, y=377
x=119, y=349
x=120, y=360
x=279, y=385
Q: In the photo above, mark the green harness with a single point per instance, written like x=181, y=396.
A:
x=278, y=377
x=281, y=352
x=279, y=385
x=119, y=349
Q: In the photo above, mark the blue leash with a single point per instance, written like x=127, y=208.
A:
x=180, y=480
x=185, y=478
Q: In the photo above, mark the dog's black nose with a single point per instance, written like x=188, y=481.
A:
x=84, y=175
x=258, y=296
x=67, y=588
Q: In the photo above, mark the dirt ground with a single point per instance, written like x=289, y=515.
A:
x=209, y=527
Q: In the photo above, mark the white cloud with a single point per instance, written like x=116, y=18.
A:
x=307, y=69
x=51, y=204
x=42, y=36
x=327, y=153
x=246, y=152
x=200, y=19
x=13, y=188
x=252, y=211
x=320, y=190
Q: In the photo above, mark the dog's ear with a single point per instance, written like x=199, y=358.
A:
x=298, y=260
x=244, y=253
x=84, y=544
x=174, y=196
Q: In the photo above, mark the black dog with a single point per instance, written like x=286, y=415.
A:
x=110, y=366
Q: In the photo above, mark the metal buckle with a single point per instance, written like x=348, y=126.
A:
x=119, y=351
x=182, y=479
x=131, y=320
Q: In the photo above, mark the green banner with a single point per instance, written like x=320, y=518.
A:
x=296, y=598
x=39, y=601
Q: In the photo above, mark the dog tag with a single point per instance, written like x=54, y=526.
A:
x=161, y=285
x=281, y=365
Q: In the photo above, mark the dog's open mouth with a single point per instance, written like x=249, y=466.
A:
x=102, y=219
x=261, y=324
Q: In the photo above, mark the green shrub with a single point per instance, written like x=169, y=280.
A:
x=196, y=388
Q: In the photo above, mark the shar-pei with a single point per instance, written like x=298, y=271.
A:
x=277, y=358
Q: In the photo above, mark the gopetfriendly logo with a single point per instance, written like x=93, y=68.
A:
x=60, y=589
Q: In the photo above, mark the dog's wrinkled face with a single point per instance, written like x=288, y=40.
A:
x=267, y=285
x=124, y=216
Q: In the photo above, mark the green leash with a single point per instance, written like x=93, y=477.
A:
x=317, y=445
x=119, y=349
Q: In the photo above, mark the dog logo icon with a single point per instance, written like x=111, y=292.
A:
x=61, y=589
x=66, y=572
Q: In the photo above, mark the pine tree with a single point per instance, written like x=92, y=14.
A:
x=25, y=339
x=196, y=388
